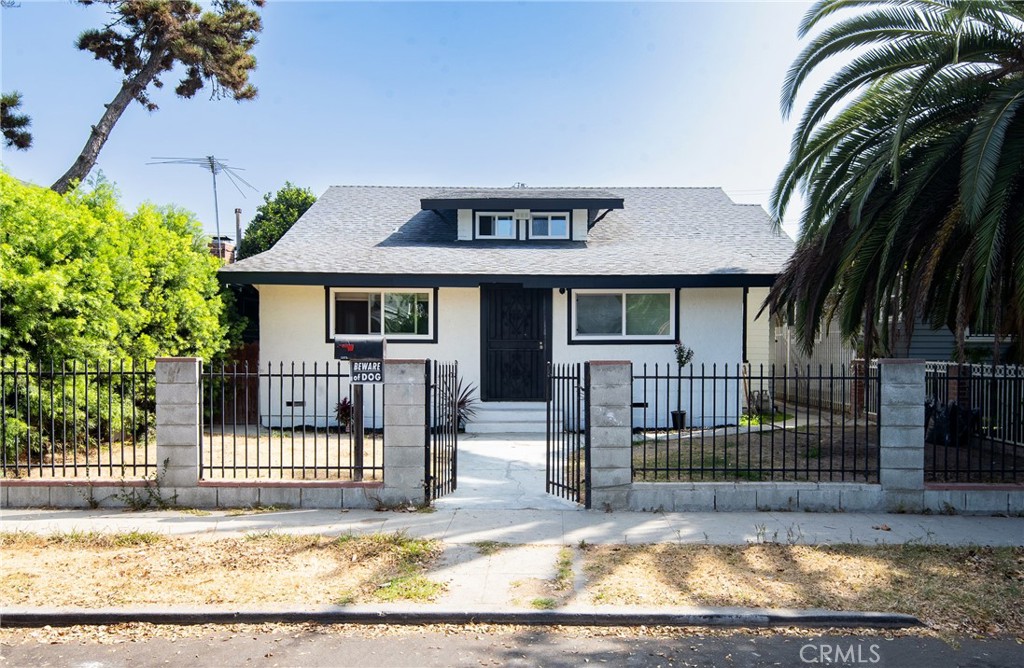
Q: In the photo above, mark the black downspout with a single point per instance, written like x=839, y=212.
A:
x=746, y=292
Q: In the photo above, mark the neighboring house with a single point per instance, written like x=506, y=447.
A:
x=939, y=344
x=933, y=344
x=506, y=280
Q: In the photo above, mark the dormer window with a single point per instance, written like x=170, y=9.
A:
x=523, y=213
x=495, y=226
x=549, y=226
x=522, y=225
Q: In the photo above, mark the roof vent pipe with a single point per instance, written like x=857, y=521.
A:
x=238, y=226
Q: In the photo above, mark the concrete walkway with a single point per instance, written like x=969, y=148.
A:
x=545, y=527
x=502, y=471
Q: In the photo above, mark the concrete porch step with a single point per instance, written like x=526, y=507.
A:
x=506, y=427
x=510, y=416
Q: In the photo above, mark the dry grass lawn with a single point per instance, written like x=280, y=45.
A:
x=961, y=590
x=98, y=570
x=771, y=454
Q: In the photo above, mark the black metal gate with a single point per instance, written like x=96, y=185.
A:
x=442, y=429
x=568, y=433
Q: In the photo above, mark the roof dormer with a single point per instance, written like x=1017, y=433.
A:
x=523, y=214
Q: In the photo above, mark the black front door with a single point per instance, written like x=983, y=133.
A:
x=516, y=342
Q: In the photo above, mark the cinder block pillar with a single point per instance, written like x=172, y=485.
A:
x=405, y=395
x=177, y=420
x=610, y=422
x=901, y=453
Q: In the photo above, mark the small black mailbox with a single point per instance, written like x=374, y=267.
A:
x=359, y=348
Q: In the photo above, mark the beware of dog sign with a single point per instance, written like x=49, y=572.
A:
x=367, y=372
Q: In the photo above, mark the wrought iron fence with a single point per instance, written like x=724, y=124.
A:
x=444, y=413
x=568, y=461
x=974, y=423
x=759, y=424
x=77, y=419
x=290, y=421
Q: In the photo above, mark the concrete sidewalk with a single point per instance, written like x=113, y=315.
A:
x=544, y=527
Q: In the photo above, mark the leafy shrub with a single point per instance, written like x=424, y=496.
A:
x=72, y=410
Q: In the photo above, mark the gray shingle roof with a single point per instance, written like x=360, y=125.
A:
x=523, y=193
x=381, y=230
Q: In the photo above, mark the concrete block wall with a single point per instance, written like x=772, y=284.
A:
x=749, y=496
x=610, y=420
x=177, y=420
x=405, y=394
x=901, y=419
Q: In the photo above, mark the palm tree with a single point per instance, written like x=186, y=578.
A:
x=911, y=162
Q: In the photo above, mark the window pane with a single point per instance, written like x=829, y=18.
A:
x=598, y=314
x=540, y=226
x=422, y=314
x=351, y=313
x=559, y=226
x=648, y=315
x=406, y=313
x=375, y=314
x=486, y=226
x=506, y=227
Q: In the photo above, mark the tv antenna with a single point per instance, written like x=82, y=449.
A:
x=215, y=166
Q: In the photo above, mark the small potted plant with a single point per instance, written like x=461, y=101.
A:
x=343, y=414
x=684, y=355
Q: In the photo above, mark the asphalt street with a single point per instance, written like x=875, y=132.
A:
x=322, y=646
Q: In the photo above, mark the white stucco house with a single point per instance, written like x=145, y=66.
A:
x=504, y=280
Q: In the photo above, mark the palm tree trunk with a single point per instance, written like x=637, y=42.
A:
x=961, y=323
x=869, y=329
x=101, y=131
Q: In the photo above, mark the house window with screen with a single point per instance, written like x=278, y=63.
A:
x=396, y=313
x=549, y=226
x=495, y=226
x=625, y=314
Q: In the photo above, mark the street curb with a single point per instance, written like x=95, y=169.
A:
x=725, y=617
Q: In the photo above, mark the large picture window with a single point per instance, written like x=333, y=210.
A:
x=625, y=314
x=393, y=313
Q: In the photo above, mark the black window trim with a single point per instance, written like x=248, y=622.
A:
x=619, y=341
x=435, y=324
x=521, y=235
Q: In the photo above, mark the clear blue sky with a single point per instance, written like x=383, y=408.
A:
x=473, y=93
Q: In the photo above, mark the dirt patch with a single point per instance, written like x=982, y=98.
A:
x=271, y=454
x=547, y=594
x=979, y=460
x=99, y=570
x=529, y=592
x=961, y=590
x=818, y=453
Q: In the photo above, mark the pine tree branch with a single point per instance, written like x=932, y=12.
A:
x=130, y=90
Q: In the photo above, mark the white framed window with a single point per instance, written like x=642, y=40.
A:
x=549, y=225
x=495, y=225
x=623, y=314
x=398, y=314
